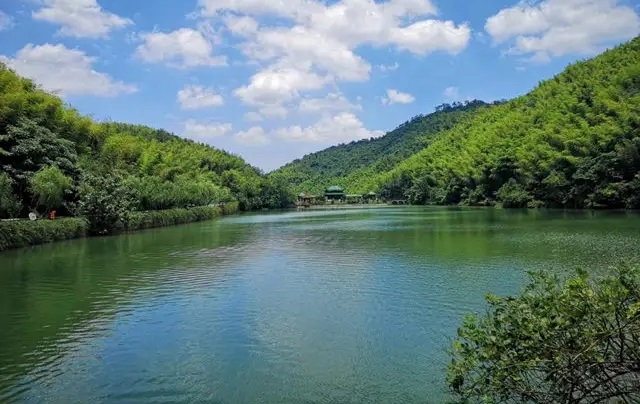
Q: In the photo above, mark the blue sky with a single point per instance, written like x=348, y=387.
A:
x=275, y=80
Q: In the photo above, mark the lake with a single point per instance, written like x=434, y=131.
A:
x=336, y=306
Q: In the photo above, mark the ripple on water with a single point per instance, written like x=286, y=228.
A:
x=322, y=306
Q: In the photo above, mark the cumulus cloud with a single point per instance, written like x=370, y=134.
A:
x=320, y=40
x=67, y=71
x=254, y=136
x=301, y=45
x=293, y=9
x=204, y=131
x=274, y=111
x=80, y=18
x=6, y=21
x=397, y=97
x=330, y=102
x=276, y=85
x=241, y=25
x=341, y=128
x=561, y=27
x=196, y=97
x=182, y=48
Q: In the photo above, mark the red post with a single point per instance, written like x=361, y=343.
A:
x=52, y=215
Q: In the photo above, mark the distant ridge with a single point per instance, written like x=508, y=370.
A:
x=352, y=165
x=574, y=141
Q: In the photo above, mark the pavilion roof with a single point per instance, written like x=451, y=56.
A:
x=334, y=188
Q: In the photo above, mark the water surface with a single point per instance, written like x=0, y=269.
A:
x=340, y=306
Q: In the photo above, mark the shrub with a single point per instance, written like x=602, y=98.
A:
x=21, y=233
x=170, y=217
x=576, y=341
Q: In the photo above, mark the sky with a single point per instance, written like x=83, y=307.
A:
x=273, y=80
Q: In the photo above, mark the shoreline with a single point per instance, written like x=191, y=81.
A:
x=22, y=233
x=345, y=206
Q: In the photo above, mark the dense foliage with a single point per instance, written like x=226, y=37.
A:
x=54, y=158
x=353, y=165
x=576, y=341
x=574, y=141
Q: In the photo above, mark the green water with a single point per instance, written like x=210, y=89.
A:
x=352, y=306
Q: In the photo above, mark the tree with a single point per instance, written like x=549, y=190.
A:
x=48, y=187
x=9, y=204
x=29, y=146
x=576, y=341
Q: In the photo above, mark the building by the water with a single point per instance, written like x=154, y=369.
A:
x=336, y=195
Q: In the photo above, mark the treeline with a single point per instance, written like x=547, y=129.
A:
x=53, y=158
x=356, y=164
x=573, y=142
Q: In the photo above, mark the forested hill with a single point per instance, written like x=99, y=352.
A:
x=574, y=141
x=54, y=158
x=353, y=165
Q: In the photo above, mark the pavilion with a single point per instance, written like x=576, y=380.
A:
x=304, y=199
x=370, y=197
x=335, y=193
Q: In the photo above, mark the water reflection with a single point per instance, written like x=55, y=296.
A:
x=319, y=306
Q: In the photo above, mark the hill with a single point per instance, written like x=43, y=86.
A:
x=574, y=141
x=54, y=158
x=353, y=165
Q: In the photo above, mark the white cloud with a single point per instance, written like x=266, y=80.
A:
x=321, y=39
x=183, y=48
x=428, y=36
x=293, y=9
x=80, y=18
x=330, y=102
x=341, y=128
x=241, y=25
x=364, y=21
x=388, y=68
x=276, y=85
x=561, y=27
x=397, y=97
x=451, y=93
x=68, y=71
x=196, y=97
x=204, y=131
x=274, y=111
x=6, y=21
x=300, y=45
x=254, y=136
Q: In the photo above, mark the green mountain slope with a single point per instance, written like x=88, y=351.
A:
x=50, y=155
x=353, y=165
x=574, y=141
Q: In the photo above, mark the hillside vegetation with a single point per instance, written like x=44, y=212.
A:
x=574, y=141
x=54, y=158
x=354, y=165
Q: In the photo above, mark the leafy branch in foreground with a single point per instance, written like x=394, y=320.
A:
x=571, y=341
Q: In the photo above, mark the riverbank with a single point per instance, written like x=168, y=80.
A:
x=24, y=233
